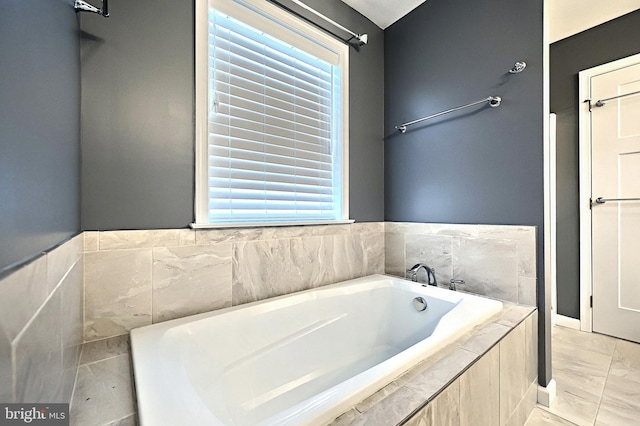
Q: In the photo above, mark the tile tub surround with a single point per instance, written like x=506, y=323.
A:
x=470, y=382
x=41, y=306
x=105, y=392
x=493, y=260
x=136, y=278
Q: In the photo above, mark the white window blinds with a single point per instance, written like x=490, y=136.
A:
x=275, y=130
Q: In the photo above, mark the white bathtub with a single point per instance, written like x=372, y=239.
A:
x=298, y=359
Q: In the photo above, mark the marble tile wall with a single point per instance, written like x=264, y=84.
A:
x=493, y=260
x=41, y=306
x=136, y=278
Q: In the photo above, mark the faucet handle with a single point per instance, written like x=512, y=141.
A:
x=452, y=284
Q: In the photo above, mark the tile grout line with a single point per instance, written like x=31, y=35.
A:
x=14, y=364
x=551, y=414
x=103, y=359
x=84, y=297
x=75, y=381
x=41, y=308
x=62, y=339
x=111, y=422
x=604, y=387
x=153, y=257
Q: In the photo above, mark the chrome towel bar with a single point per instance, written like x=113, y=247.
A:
x=357, y=39
x=601, y=102
x=601, y=200
x=494, y=101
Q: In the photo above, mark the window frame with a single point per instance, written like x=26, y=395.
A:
x=201, y=199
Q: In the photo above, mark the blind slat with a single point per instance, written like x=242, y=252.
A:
x=251, y=76
x=269, y=93
x=271, y=128
x=287, y=149
x=253, y=59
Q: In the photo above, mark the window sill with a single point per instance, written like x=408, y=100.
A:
x=266, y=224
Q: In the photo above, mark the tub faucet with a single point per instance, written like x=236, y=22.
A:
x=431, y=273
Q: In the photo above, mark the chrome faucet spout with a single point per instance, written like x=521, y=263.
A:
x=431, y=273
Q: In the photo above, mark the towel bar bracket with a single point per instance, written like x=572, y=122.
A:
x=83, y=6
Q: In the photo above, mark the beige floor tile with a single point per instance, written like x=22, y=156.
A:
x=616, y=412
x=574, y=408
x=540, y=417
x=581, y=363
x=578, y=378
x=623, y=382
x=573, y=339
x=598, y=381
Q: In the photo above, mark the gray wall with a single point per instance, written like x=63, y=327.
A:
x=605, y=43
x=138, y=116
x=39, y=127
x=481, y=165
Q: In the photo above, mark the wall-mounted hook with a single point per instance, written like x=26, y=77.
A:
x=83, y=6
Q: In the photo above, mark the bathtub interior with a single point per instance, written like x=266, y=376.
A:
x=251, y=365
x=315, y=346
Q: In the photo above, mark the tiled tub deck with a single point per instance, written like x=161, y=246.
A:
x=489, y=376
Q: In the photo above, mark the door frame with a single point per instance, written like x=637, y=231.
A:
x=584, y=154
x=551, y=215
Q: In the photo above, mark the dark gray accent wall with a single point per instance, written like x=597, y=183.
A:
x=608, y=42
x=138, y=115
x=481, y=165
x=39, y=127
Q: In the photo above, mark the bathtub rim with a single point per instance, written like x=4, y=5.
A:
x=350, y=286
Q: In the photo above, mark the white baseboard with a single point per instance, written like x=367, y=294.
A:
x=548, y=394
x=567, y=322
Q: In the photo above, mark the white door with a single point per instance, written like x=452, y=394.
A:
x=615, y=138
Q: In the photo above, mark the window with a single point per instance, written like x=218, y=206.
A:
x=271, y=118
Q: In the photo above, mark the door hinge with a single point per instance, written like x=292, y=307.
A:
x=591, y=301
